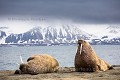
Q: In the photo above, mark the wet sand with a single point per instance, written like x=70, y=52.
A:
x=65, y=73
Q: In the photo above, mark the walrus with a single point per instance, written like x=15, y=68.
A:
x=86, y=59
x=37, y=64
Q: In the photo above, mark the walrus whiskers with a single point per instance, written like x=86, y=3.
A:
x=80, y=49
x=21, y=59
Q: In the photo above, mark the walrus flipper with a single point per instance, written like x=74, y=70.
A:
x=30, y=58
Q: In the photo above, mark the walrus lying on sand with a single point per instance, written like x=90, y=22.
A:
x=37, y=64
x=86, y=59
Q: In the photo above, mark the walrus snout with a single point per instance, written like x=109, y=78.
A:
x=23, y=67
x=80, y=44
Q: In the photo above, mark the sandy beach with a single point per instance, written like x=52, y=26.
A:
x=65, y=73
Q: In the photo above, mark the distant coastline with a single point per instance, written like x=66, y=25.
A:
x=45, y=44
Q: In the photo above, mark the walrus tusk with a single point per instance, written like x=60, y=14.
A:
x=80, y=49
x=21, y=59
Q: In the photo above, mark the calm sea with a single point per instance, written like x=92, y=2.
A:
x=9, y=56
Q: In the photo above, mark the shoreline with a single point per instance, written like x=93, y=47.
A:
x=65, y=73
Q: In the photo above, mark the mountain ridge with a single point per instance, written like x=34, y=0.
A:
x=61, y=35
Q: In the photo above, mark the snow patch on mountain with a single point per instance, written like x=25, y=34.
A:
x=64, y=34
x=110, y=32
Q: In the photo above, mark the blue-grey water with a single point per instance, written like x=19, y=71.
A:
x=9, y=56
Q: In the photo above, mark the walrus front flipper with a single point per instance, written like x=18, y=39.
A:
x=30, y=58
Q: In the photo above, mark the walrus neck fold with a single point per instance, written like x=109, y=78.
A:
x=80, y=49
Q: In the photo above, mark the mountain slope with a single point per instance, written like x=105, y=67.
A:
x=110, y=32
x=111, y=35
x=64, y=34
x=2, y=36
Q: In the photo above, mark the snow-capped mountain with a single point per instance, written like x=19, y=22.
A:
x=111, y=35
x=2, y=36
x=49, y=35
x=110, y=32
x=64, y=35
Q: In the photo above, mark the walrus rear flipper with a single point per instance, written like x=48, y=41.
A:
x=111, y=67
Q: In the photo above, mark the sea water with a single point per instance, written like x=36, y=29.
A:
x=10, y=56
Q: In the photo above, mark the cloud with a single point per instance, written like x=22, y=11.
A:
x=82, y=11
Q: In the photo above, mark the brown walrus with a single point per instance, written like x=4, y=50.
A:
x=87, y=60
x=37, y=64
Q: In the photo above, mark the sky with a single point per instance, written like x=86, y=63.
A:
x=93, y=14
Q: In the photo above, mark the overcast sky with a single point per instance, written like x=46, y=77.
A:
x=83, y=11
x=93, y=15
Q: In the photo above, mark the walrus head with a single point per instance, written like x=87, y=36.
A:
x=81, y=43
x=23, y=68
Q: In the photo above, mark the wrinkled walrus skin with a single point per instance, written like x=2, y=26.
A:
x=38, y=64
x=86, y=59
